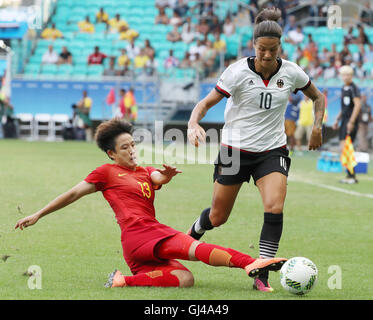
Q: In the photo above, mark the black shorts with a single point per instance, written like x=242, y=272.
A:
x=256, y=165
x=343, y=130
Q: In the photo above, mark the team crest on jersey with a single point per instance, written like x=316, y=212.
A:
x=280, y=83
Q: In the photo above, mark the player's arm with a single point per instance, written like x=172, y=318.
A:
x=163, y=176
x=81, y=189
x=319, y=109
x=354, y=115
x=195, y=131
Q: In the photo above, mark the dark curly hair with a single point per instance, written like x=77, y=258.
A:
x=108, y=131
x=266, y=24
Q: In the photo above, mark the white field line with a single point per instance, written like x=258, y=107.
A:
x=325, y=186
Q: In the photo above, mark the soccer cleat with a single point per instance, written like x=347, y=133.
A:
x=350, y=180
x=259, y=266
x=260, y=285
x=191, y=232
x=116, y=279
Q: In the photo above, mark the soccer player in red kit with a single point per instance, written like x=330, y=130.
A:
x=149, y=247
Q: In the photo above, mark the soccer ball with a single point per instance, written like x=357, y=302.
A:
x=298, y=275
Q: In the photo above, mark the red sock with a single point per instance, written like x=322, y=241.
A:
x=215, y=255
x=157, y=278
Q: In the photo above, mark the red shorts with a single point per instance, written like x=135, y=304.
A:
x=139, y=242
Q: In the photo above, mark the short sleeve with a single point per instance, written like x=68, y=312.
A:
x=301, y=80
x=98, y=177
x=355, y=91
x=150, y=170
x=226, y=83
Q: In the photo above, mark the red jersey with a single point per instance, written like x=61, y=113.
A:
x=131, y=196
x=96, y=58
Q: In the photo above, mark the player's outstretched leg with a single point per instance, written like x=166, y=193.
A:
x=182, y=246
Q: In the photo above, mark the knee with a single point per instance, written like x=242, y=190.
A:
x=273, y=207
x=218, y=217
x=186, y=278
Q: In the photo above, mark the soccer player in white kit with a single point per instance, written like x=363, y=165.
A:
x=257, y=89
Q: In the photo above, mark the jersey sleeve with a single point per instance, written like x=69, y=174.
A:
x=150, y=170
x=98, y=177
x=355, y=91
x=226, y=83
x=301, y=80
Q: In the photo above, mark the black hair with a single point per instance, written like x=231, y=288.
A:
x=266, y=24
x=108, y=131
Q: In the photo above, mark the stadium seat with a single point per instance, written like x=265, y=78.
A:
x=43, y=126
x=49, y=69
x=25, y=125
x=58, y=123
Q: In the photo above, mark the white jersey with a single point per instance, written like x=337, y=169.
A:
x=254, y=113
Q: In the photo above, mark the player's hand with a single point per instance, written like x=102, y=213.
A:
x=196, y=134
x=26, y=222
x=335, y=125
x=169, y=171
x=316, y=139
x=350, y=127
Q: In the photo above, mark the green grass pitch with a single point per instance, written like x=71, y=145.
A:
x=78, y=246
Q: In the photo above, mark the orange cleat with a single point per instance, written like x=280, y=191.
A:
x=259, y=266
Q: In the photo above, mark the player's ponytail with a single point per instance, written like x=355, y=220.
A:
x=266, y=24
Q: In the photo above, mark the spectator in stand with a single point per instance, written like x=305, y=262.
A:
x=197, y=64
x=117, y=23
x=86, y=26
x=368, y=54
x=215, y=25
x=162, y=17
x=366, y=15
x=209, y=58
x=140, y=60
x=171, y=61
x=102, y=16
x=249, y=50
x=203, y=28
x=123, y=62
x=362, y=38
x=111, y=71
x=149, y=50
x=290, y=25
x=349, y=37
x=358, y=70
x=125, y=33
x=182, y=8
x=345, y=54
x=311, y=50
x=219, y=44
x=96, y=57
x=151, y=66
x=195, y=49
x=295, y=36
x=174, y=35
x=65, y=56
x=316, y=70
x=324, y=56
x=132, y=50
x=205, y=7
x=51, y=33
x=186, y=62
x=176, y=19
x=228, y=27
x=188, y=34
x=50, y=57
